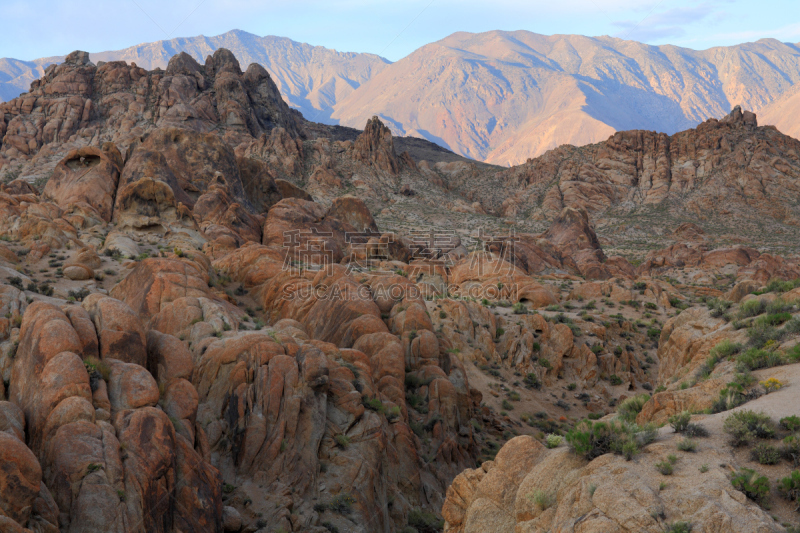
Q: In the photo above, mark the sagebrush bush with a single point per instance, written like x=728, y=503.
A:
x=745, y=426
x=755, y=359
x=765, y=454
x=630, y=408
x=752, y=308
x=695, y=430
x=687, y=445
x=680, y=421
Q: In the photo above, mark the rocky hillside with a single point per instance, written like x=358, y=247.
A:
x=218, y=316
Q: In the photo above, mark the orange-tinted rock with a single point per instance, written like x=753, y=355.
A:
x=119, y=330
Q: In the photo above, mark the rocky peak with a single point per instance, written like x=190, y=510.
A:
x=739, y=116
x=183, y=63
x=223, y=60
x=376, y=146
x=78, y=57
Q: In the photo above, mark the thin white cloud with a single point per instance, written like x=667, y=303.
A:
x=669, y=23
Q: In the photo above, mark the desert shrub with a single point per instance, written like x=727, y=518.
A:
x=687, y=445
x=615, y=380
x=630, y=408
x=793, y=326
x=729, y=398
x=789, y=487
x=695, y=430
x=774, y=319
x=790, y=448
x=790, y=423
x=680, y=421
x=765, y=454
x=666, y=468
x=679, y=527
x=508, y=406
x=342, y=441
x=373, y=404
x=754, y=359
x=771, y=385
x=543, y=499
x=726, y=349
x=553, y=441
x=593, y=439
x=718, y=307
x=341, y=504
x=520, y=309
x=761, y=334
x=532, y=382
x=752, y=484
x=744, y=426
x=545, y=363
x=752, y=308
x=424, y=521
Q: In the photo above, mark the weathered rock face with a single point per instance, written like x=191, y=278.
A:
x=87, y=176
x=98, y=469
x=375, y=147
x=607, y=494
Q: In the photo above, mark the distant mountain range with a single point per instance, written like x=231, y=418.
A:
x=501, y=97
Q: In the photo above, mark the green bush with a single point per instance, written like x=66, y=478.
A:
x=761, y=334
x=680, y=421
x=520, y=309
x=789, y=487
x=765, y=454
x=790, y=449
x=630, y=408
x=615, y=380
x=790, y=423
x=753, y=485
x=545, y=363
x=593, y=439
x=778, y=285
x=744, y=426
x=532, y=382
x=752, y=308
x=687, y=445
x=665, y=467
x=775, y=319
x=754, y=359
x=728, y=399
x=726, y=349
x=507, y=406
x=424, y=521
x=373, y=404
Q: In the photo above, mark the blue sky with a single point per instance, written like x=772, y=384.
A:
x=393, y=29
